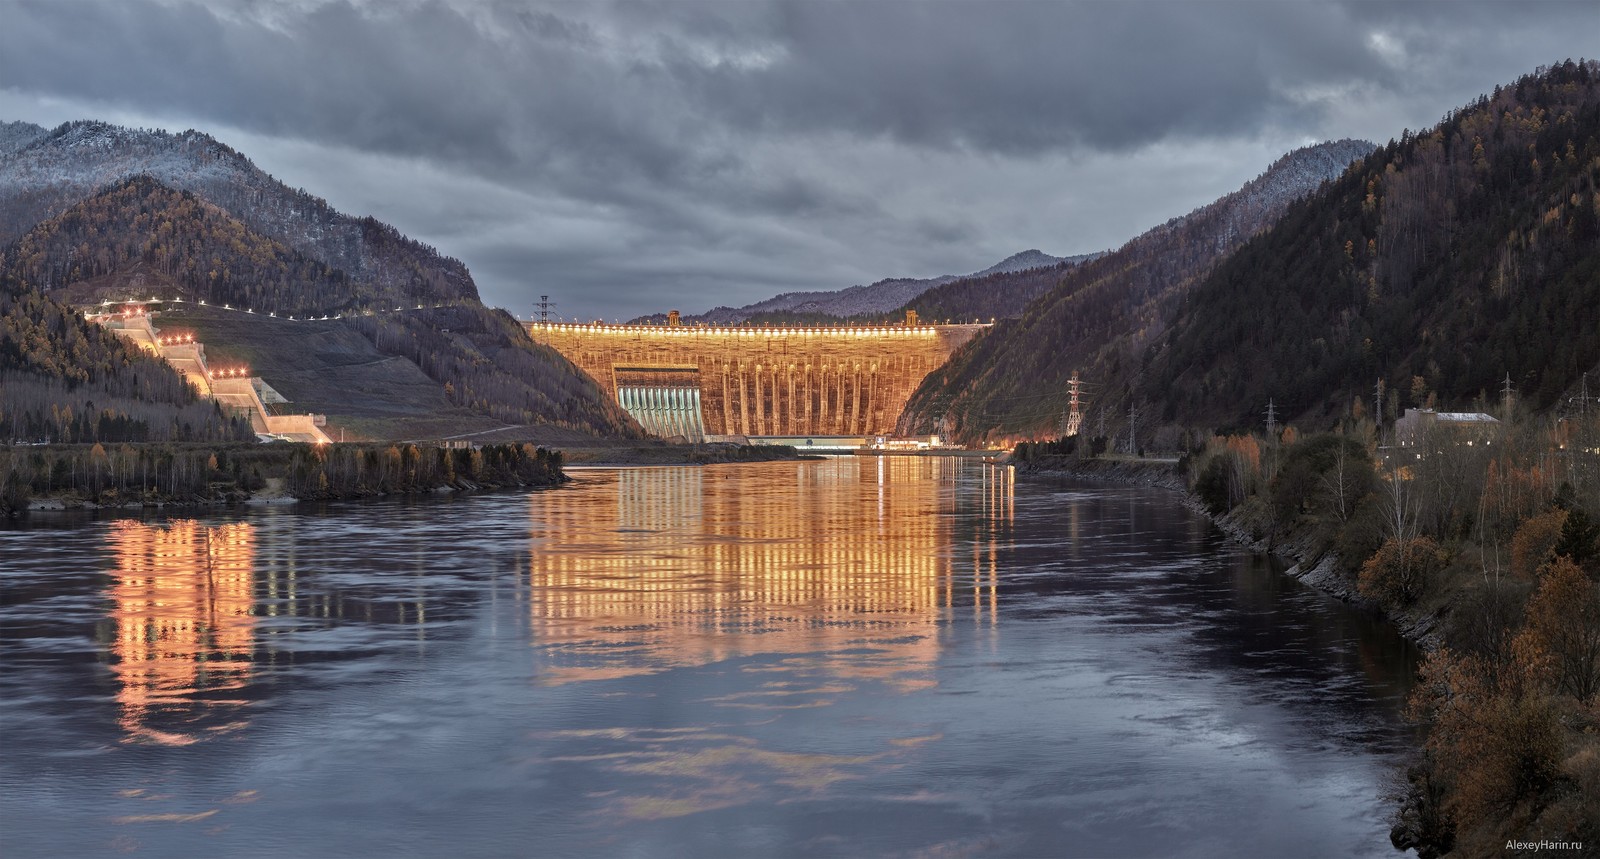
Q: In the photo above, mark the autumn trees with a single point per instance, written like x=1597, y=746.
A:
x=1504, y=699
x=1560, y=644
x=1500, y=758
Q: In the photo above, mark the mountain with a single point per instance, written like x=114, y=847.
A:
x=49, y=173
x=1444, y=263
x=1098, y=317
x=889, y=296
x=416, y=356
x=139, y=238
x=1024, y=260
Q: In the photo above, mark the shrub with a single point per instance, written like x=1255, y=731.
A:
x=1399, y=574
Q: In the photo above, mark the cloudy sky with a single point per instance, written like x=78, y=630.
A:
x=629, y=157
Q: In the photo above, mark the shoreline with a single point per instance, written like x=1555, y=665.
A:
x=275, y=489
x=685, y=454
x=195, y=475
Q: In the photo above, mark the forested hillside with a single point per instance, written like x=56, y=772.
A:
x=43, y=174
x=1102, y=313
x=487, y=363
x=63, y=379
x=177, y=246
x=1451, y=258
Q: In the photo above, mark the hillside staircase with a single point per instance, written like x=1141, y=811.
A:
x=239, y=394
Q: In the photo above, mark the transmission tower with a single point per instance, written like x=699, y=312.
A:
x=1377, y=408
x=1272, y=420
x=1583, y=398
x=1074, y=405
x=544, y=306
x=1505, y=398
x=1133, y=420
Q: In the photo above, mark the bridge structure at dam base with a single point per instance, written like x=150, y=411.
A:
x=693, y=382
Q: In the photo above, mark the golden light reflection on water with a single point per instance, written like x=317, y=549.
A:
x=676, y=567
x=182, y=594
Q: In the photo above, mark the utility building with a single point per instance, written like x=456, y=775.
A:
x=1416, y=425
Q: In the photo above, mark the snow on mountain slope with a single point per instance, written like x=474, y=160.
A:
x=16, y=135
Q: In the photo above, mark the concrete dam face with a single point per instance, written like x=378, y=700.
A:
x=694, y=382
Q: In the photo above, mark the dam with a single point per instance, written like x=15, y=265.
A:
x=694, y=382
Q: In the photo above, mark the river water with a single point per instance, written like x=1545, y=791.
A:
x=852, y=657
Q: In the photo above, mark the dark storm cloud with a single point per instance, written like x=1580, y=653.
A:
x=712, y=142
x=1040, y=76
x=505, y=86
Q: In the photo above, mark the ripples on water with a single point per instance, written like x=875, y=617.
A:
x=905, y=656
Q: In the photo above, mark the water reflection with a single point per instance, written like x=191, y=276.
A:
x=201, y=614
x=700, y=567
x=847, y=657
x=182, y=597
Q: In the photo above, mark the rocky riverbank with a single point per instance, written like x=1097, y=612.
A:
x=1306, y=561
x=1301, y=552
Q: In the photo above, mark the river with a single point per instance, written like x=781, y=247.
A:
x=847, y=657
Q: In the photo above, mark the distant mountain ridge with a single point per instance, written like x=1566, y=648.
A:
x=884, y=296
x=42, y=174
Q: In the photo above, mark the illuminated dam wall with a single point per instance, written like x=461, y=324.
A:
x=692, y=381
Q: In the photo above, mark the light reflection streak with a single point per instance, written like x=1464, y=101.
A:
x=183, y=593
x=680, y=567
